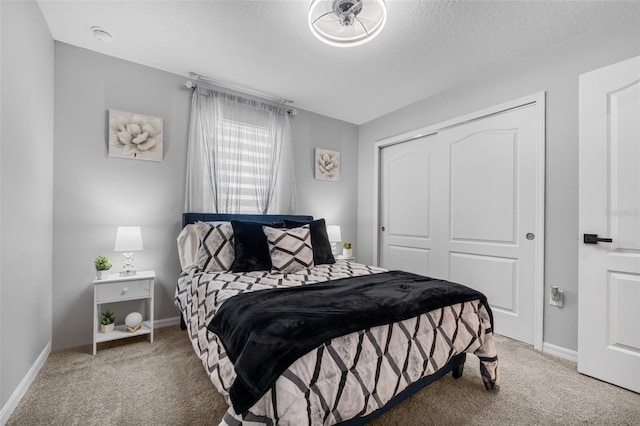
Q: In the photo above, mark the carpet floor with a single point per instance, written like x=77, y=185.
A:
x=132, y=382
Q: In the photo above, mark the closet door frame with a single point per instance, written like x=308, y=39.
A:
x=537, y=99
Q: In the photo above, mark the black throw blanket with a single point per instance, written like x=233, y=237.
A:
x=265, y=331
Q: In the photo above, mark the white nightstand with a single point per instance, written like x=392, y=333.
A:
x=117, y=288
x=341, y=257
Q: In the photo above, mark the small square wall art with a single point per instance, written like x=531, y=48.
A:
x=327, y=165
x=136, y=136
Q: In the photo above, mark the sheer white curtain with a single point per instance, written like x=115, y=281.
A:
x=239, y=157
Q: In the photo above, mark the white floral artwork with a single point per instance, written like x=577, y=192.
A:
x=327, y=165
x=134, y=135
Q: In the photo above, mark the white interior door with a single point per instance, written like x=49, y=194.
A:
x=459, y=204
x=491, y=199
x=408, y=186
x=609, y=275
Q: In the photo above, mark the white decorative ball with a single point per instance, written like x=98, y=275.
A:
x=133, y=319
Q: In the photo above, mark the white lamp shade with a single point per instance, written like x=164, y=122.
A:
x=333, y=232
x=128, y=238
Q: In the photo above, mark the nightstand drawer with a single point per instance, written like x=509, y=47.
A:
x=122, y=291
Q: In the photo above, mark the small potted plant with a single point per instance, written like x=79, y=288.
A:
x=107, y=321
x=102, y=265
x=347, y=251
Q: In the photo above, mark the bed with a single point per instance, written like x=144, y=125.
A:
x=347, y=379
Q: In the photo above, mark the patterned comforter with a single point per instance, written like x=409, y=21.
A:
x=349, y=376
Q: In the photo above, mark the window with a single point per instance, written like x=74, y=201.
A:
x=239, y=156
x=247, y=155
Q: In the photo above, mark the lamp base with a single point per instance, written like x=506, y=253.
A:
x=128, y=265
x=132, y=329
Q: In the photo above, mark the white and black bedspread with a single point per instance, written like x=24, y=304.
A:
x=349, y=376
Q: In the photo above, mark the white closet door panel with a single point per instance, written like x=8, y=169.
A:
x=494, y=276
x=407, y=211
x=483, y=168
x=408, y=195
x=410, y=259
x=492, y=208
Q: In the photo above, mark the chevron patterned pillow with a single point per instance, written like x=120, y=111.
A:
x=216, y=252
x=290, y=249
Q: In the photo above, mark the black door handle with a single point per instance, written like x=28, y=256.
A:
x=593, y=239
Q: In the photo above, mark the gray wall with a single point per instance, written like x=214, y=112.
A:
x=555, y=71
x=334, y=201
x=26, y=171
x=93, y=193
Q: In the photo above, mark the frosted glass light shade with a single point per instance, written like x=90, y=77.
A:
x=128, y=238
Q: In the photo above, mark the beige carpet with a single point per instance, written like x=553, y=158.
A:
x=132, y=382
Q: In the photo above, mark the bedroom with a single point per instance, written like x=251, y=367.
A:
x=81, y=193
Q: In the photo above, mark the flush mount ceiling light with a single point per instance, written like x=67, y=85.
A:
x=347, y=22
x=101, y=34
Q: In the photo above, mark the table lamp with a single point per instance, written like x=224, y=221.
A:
x=128, y=240
x=333, y=232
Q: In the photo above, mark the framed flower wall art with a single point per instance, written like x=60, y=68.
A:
x=327, y=165
x=136, y=136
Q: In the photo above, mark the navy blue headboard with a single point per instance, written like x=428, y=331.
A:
x=188, y=218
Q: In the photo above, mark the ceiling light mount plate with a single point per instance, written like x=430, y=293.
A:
x=101, y=34
x=345, y=23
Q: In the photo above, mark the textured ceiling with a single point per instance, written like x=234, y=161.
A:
x=426, y=46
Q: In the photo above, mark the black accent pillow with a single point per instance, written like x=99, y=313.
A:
x=252, y=250
x=319, y=240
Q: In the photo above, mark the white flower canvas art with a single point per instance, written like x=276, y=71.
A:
x=136, y=136
x=327, y=165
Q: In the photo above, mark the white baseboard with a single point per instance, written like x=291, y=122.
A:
x=22, y=388
x=166, y=322
x=559, y=351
